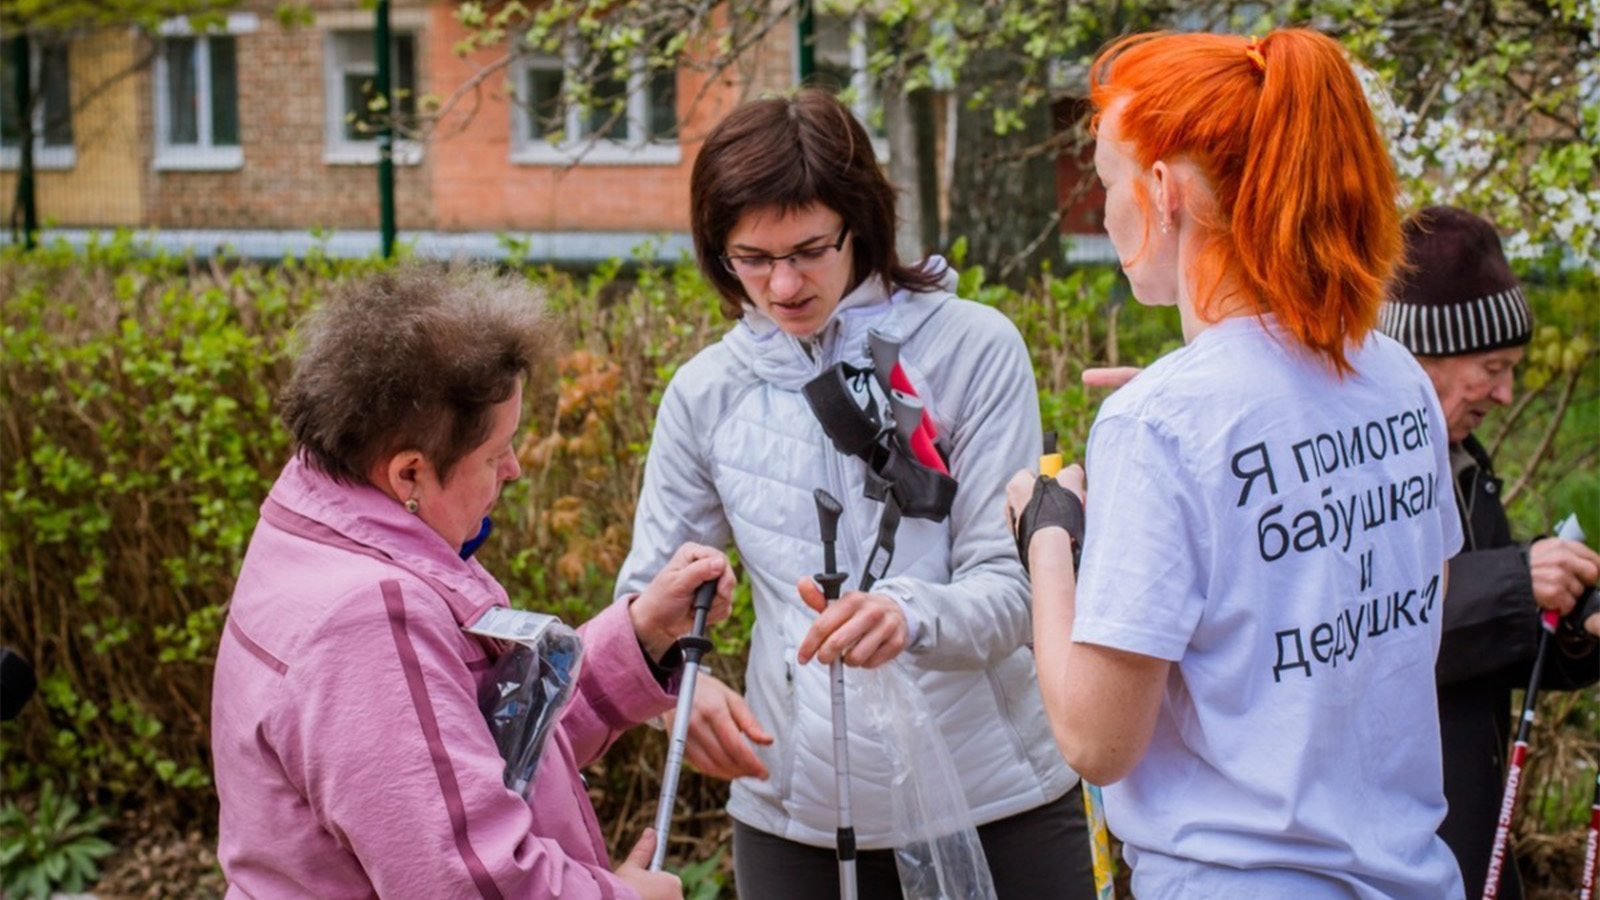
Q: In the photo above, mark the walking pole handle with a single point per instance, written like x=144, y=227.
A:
x=885, y=353
x=1567, y=529
x=828, y=512
x=1050, y=463
x=907, y=410
x=695, y=644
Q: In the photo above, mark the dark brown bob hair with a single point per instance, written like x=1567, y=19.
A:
x=787, y=153
x=411, y=359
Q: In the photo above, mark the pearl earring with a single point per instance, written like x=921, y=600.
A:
x=1165, y=227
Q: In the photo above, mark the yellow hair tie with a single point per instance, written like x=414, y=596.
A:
x=1252, y=51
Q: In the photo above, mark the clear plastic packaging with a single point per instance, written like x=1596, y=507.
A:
x=940, y=857
x=530, y=685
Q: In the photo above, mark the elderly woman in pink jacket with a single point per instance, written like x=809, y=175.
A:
x=351, y=757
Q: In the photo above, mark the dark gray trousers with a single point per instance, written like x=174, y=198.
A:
x=1043, y=852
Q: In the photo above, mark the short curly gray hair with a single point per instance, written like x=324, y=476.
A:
x=413, y=358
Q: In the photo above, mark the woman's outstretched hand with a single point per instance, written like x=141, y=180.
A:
x=721, y=729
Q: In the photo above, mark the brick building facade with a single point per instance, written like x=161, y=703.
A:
x=246, y=128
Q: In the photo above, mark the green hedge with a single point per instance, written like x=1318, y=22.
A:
x=138, y=438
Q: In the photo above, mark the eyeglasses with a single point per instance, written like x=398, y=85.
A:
x=807, y=260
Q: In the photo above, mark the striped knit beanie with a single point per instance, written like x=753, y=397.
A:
x=1456, y=294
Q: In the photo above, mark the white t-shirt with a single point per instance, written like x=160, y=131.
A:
x=1278, y=534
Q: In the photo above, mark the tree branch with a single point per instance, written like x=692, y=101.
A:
x=1549, y=438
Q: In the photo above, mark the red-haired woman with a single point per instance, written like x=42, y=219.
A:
x=1247, y=660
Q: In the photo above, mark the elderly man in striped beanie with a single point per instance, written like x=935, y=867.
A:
x=1461, y=312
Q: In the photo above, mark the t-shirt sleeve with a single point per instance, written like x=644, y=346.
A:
x=1141, y=579
x=1451, y=537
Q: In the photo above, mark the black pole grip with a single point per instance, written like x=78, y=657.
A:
x=704, y=595
x=695, y=644
x=828, y=513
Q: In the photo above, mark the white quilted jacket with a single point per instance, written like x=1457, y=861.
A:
x=736, y=455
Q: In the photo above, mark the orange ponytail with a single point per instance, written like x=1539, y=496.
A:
x=1306, y=213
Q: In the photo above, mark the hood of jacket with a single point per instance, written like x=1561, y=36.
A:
x=777, y=357
x=362, y=519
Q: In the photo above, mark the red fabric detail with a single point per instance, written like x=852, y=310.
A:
x=922, y=439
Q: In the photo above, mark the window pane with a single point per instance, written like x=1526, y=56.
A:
x=354, y=50
x=224, y=93
x=359, y=120
x=831, y=77
x=183, y=115
x=609, y=98
x=542, y=100
x=831, y=51
x=57, y=96
x=354, y=53
x=837, y=72
x=663, y=122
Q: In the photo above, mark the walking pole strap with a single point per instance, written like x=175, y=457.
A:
x=1050, y=506
x=883, y=550
x=854, y=414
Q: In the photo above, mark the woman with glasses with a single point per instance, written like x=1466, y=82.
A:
x=794, y=225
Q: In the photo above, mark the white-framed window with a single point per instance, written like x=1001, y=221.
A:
x=51, y=115
x=642, y=130
x=349, y=74
x=197, y=96
x=841, y=52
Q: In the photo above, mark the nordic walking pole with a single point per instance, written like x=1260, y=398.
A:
x=1569, y=530
x=694, y=646
x=1591, y=848
x=1519, y=755
x=828, y=512
x=1093, y=805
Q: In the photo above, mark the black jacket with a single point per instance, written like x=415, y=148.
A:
x=1491, y=632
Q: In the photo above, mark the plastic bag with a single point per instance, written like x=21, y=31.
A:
x=941, y=857
x=531, y=684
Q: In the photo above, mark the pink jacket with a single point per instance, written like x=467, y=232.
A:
x=351, y=759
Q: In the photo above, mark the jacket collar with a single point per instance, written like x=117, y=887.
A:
x=779, y=358
x=1479, y=455
x=364, y=520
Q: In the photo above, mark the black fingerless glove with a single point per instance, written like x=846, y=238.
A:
x=1051, y=505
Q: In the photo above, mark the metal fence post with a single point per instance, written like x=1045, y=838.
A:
x=27, y=209
x=806, y=40
x=385, y=131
